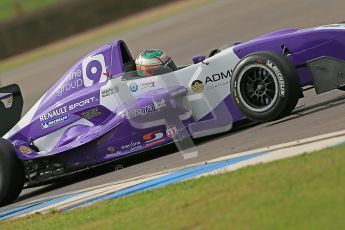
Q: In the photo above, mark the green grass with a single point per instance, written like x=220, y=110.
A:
x=10, y=9
x=304, y=192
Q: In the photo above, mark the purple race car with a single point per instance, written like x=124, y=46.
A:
x=100, y=110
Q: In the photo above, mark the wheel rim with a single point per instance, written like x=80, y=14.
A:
x=258, y=87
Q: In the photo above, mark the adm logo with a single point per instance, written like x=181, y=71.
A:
x=217, y=77
x=94, y=70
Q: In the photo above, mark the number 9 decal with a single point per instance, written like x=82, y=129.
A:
x=93, y=68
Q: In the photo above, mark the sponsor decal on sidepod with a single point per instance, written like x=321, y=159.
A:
x=58, y=120
x=25, y=150
x=112, y=152
x=60, y=111
x=197, y=86
x=148, y=84
x=110, y=91
x=142, y=111
x=89, y=114
x=133, y=145
x=171, y=131
x=133, y=87
x=212, y=81
x=153, y=138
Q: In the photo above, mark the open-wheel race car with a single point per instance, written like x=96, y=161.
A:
x=101, y=110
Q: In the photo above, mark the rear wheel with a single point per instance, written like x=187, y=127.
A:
x=11, y=174
x=265, y=86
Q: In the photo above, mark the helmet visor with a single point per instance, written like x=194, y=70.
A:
x=149, y=71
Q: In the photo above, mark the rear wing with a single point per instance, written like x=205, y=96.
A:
x=11, y=105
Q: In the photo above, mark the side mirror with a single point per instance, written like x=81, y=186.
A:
x=198, y=58
x=11, y=105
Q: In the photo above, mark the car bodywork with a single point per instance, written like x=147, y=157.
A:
x=96, y=113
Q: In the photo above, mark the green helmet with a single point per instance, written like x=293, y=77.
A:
x=154, y=62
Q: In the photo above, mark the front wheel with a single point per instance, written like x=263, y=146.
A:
x=265, y=86
x=11, y=174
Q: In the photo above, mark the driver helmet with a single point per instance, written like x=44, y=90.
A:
x=153, y=62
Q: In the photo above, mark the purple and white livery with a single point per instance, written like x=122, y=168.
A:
x=100, y=110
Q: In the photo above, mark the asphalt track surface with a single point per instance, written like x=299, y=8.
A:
x=182, y=36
